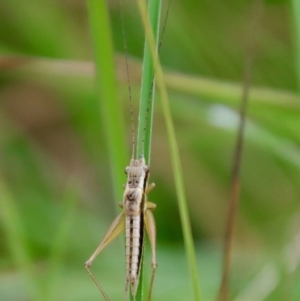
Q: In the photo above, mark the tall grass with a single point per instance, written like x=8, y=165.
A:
x=106, y=86
x=147, y=97
x=204, y=53
x=104, y=64
x=175, y=158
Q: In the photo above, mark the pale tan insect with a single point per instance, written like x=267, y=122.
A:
x=136, y=216
x=137, y=213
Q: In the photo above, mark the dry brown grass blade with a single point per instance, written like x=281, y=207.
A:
x=224, y=292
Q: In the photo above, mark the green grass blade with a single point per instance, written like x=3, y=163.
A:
x=107, y=90
x=174, y=155
x=296, y=18
x=147, y=96
x=19, y=252
x=107, y=87
x=147, y=105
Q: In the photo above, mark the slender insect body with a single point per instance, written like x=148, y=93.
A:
x=134, y=202
x=135, y=218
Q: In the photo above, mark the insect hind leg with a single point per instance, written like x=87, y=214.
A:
x=151, y=230
x=114, y=230
x=87, y=267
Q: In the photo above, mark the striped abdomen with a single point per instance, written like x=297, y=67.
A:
x=134, y=244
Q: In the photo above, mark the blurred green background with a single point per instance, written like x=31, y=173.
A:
x=56, y=191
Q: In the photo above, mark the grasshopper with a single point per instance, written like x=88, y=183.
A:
x=137, y=213
x=136, y=216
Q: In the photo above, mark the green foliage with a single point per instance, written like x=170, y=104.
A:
x=174, y=154
x=57, y=163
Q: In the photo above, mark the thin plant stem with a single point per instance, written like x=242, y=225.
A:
x=224, y=292
x=106, y=87
x=146, y=105
x=148, y=86
x=295, y=11
x=188, y=240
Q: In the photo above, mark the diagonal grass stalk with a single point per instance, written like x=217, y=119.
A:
x=225, y=291
x=174, y=153
x=147, y=104
x=106, y=87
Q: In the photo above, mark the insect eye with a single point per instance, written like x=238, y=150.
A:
x=126, y=170
x=130, y=182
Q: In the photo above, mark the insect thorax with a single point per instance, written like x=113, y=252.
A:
x=137, y=173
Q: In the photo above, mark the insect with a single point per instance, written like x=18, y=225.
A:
x=136, y=216
x=137, y=213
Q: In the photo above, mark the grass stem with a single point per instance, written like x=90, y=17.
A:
x=148, y=86
x=175, y=159
x=224, y=292
x=107, y=90
x=147, y=103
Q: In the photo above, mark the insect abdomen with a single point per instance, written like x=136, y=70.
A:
x=134, y=243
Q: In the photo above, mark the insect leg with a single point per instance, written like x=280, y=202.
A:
x=114, y=230
x=149, y=188
x=151, y=230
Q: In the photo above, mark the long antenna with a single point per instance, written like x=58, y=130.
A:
x=129, y=84
x=152, y=83
x=128, y=81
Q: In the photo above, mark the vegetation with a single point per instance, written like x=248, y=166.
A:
x=57, y=167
